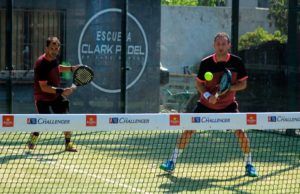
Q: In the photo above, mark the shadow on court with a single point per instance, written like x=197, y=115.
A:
x=207, y=147
x=186, y=184
x=180, y=184
x=40, y=157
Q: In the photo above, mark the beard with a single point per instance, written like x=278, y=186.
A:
x=53, y=55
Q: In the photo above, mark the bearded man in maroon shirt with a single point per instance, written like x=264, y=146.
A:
x=48, y=95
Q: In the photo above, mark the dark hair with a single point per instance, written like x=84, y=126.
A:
x=52, y=39
x=223, y=35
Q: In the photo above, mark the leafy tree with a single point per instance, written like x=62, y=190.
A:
x=258, y=37
x=279, y=13
x=180, y=2
x=194, y=2
x=211, y=2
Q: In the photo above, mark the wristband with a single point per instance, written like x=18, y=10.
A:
x=206, y=95
x=59, y=90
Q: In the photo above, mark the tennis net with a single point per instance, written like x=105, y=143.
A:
x=128, y=153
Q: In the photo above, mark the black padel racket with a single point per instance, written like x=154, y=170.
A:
x=225, y=83
x=82, y=76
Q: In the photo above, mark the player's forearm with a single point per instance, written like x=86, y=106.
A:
x=64, y=68
x=48, y=89
x=200, y=87
x=239, y=86
x=51, y=89
x=57, y=90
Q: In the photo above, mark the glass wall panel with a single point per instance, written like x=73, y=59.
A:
x=90, y=34
x=3, y=88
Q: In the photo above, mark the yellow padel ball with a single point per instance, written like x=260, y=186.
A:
x=208, y=76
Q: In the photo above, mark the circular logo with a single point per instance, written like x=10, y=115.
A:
x=100, y=48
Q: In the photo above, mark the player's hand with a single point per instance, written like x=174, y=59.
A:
x=212, y=99
x=68, y=91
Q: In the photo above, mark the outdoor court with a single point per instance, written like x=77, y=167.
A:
x=128, y=162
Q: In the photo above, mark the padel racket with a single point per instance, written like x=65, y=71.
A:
x=82, y=76
x=225, y=83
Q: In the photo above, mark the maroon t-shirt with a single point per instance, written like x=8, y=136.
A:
x=45, y=70
x=210, y=64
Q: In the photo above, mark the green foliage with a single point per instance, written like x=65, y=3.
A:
x=258, y=37
x=279, y=13
x=212, y=3
x=194, y=2
x=180, y=2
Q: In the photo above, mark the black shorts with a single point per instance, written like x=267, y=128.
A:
x=232, y=108
x=59, y=106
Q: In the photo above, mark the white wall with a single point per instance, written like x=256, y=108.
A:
x=187, y=32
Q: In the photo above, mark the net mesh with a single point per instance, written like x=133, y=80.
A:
x=128, y=162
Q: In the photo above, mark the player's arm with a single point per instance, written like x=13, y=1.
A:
x=200, y=85
x=202, y=90
x=200, y=80
x=240, y=85
x=55, y=90
x=47, y=88
x=65, y=68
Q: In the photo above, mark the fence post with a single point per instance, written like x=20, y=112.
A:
x=234, y=26
x=8, y=53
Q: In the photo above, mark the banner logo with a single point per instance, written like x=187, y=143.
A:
x=113, y=120
x=174, y=120
x=46, y=121
x=283, y=119
x=210, y=120
x=7, y=121
x=125, y=120
x=251, y=119
x=271, y=118
x=31, y=121
x=196, y=119
x=91, y=120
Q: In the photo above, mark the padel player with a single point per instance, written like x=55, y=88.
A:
x=225, y=103
x=48, y=95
